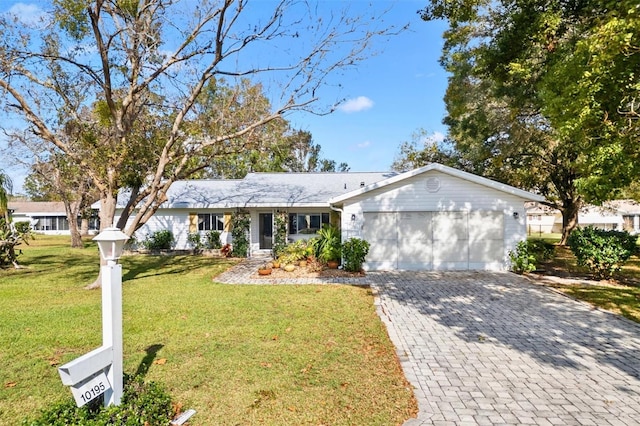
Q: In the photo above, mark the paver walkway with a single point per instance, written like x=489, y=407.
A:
x=493, y=348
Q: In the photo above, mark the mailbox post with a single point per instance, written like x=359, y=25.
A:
x=100, y=371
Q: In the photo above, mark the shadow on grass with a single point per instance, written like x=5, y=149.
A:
x=140, y=266
x=148, y=359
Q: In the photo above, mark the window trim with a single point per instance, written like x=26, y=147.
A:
x=213, y=218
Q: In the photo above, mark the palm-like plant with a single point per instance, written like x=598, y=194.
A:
x=328, y=244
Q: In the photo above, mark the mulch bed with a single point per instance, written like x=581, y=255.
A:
x=308, y=272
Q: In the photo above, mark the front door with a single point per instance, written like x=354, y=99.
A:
x=266, y=231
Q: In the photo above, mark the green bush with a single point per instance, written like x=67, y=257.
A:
x=327, y=245
x=240, y=223
x=522, y=260
x=195, y=240
x=280, y=234
x=298, y=250
x=22, y=227
x=159, y=240
x=142, y=404
x=602, y=252
x=354, y=251
x=212, y=240
x=542, y=250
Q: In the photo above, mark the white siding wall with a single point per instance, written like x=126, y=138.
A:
x=454, y=195
x=176, y=221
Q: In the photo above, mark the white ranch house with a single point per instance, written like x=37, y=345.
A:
x=431, y=218
x=611, y=215
x=45, y=217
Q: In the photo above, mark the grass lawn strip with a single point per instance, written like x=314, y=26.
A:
x=240, y=354
x=621, y=296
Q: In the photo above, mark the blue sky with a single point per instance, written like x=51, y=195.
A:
x=389, y=96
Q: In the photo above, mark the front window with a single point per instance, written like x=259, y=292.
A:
x=51, y=223
x=307, y=223
x=210, y=222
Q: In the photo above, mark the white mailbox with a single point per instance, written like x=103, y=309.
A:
x=87, y=375
x=100, y=371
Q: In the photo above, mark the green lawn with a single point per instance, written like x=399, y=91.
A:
x=243, y=354
x=621, y=295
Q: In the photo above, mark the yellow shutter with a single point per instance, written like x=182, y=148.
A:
x=193, y=222
x=227, y=222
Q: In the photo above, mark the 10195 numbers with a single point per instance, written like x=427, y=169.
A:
x=93, y=392
x=90, y=389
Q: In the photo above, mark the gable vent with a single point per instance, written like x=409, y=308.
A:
x=433, y=184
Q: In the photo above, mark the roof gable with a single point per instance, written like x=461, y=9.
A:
x=443, y=169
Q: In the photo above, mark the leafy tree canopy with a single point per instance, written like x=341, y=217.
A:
x=543, y=94
x=117, y=87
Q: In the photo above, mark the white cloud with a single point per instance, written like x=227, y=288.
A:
x=28, y=14
x=361, y=103
x=433, y=139
x=365, y=144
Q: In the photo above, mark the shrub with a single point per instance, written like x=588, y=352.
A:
x=212, y=240
x=11, y=238
x=522, y=260
x=195, y=240
x=159, y=240
x=280, y=234
x=298, y=250
x=226, y=250
x=142, y=404
x=542, y=250
x=240, y=223
x=22, y=227
x=602, y=252
x=354, y=251
x=327, y=245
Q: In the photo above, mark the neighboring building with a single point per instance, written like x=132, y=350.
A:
x=543, y=219
x=612, y=215
x=431, y=218
x=629, y=210
x=44, y=217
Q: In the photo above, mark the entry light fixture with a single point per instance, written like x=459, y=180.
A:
x=111, y=243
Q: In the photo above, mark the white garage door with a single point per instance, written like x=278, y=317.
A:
x=434, y=240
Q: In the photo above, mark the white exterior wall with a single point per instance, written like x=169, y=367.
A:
x=541, y=223
x=600, y=219
x=453, y=195
x=174, y=220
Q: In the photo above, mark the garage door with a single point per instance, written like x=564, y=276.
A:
x=434, y=240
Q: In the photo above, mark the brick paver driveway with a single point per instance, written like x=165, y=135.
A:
x=485, y=348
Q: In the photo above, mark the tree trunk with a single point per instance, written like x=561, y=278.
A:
x=84, y=226
x=72, y=219
x=107, y=213
x=570, y=209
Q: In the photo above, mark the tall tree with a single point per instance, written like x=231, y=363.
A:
x=140, y=61
x=423, y=149
x=543, y=94
x=56, y=180
x=6, y=186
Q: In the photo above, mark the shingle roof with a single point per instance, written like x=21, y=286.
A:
x=267, y=190
x=41, y=207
